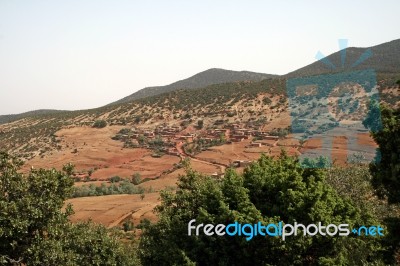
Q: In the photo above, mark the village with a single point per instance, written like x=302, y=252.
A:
x=175, y=140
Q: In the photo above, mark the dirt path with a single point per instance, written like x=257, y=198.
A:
x=179, y=147
x=136, y=215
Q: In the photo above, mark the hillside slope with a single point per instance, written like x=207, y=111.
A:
x=12, y=117
x=385, y=58
x=200, y=80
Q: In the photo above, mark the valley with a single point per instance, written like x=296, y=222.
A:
x=216, y=119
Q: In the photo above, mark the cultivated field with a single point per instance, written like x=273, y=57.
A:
x=112, y=210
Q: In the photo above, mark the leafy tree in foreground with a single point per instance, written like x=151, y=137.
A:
x=35, y=231
x=269, y=191
x=386, y=170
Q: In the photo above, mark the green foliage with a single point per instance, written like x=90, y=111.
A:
x=200, y=144
x=115, y=179
x=269, y=191
x=136, y=178
x=157, y=143
x=319, y=162
x=124, y=187
x=125, y=131
x=142, y=139
x=29, y=205
x=200, y=124
x=267, y=100
x=354, y=182
x=35, y=231
x=280, y=132
x=123, y=134
x=81, y=244
x=373, y=119
x=128, y=225
x=100, y=123
x=386, y=171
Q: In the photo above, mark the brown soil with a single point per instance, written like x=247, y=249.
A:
x=112, y=210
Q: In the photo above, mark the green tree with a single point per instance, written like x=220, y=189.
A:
x=136, y=178
x=35, y=231
x=141, y=139
x=268, y=191
x=385, y=170
x=100, y=123
x=115, y=179
x=200, y=124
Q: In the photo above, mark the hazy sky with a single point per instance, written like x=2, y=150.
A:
x=84, y=54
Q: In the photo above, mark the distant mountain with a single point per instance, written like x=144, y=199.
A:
x=9, y=118
x=209, y=77
x=385, y=58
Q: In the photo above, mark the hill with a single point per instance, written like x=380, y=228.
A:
x=9, y=118
x=200, y=80
x=203, y=79
x=385, y=58
x=33, y=135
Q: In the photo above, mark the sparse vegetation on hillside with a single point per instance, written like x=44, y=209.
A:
x=35, y=136
x=200, y=80
x=384, y=59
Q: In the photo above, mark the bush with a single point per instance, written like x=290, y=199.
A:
x=128, y=225
x=114, y=179
x=124, y=187
x=136, y=179
x=200, y=124
x=100, y=124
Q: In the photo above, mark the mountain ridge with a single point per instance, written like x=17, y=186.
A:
x=12, y=117
x=202, y=79
x=385, y=59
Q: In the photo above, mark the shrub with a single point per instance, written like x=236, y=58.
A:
x=200, y=124
x=100, y=124
x=128, y=225
x=114, y=179
x=136, y=179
